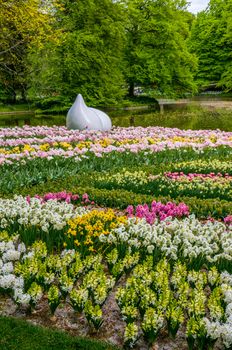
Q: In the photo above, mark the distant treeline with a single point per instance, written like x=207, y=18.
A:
x=108, y=50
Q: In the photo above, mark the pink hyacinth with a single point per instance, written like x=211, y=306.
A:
x=228, y=220
x=191, y=176
x=157, y=210
x=85, y=198
x=68, y=197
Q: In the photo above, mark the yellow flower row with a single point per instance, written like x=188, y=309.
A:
x=103, y=143
x=84, y=230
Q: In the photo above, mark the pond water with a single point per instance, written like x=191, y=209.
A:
x=183, y=117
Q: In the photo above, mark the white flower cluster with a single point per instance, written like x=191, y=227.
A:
x=216, y=329
x=46, y=215
x=10, y=252
x=175, y=238
x=20, y=297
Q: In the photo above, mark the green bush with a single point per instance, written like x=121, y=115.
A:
x=120, y=199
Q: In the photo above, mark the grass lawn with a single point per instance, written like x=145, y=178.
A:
x=20, y=335
x=15, y=108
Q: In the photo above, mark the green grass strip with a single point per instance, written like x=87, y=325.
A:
x=18, y=334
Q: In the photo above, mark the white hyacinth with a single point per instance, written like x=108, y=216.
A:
x=51, y=214
x=189, y=238
x=7, y=268
x=11, y=255
x=7, y=281
x=21, y=298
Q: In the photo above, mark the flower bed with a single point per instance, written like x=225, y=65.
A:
x=129, y=232
x=43, y=142
x=157, y=296
x=170, y=184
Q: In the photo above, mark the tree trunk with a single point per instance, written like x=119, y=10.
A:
x=23, y=94
x=131, y=89
x=12, y=97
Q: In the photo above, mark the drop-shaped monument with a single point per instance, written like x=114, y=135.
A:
x=82, y=117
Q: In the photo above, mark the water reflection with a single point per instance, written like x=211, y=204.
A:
x=32, y=120
x=182, y=117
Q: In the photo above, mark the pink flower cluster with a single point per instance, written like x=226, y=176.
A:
x=133, y=139
x=228, y=220
x=158, y=210
x=68, y=197
x=61, y=133
x=191, y=176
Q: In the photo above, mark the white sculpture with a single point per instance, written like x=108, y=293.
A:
x=82, y=117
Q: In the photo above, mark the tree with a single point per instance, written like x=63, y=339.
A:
x=156, y=54
x=23, y=24
x=211, y=40
x=89, y=57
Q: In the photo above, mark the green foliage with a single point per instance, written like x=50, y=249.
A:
x=58, y=48
x=97, y=48
x=88, y=59
x=211, y=40
x=120, y=198
x=142, y=182
x=156, y=53
x=24, y=24
x=14, y=178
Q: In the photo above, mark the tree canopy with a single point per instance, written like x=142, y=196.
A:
x=105, y=48
x=156, y=51
x=24, y=24
x=211, y=40
x=88, y=58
